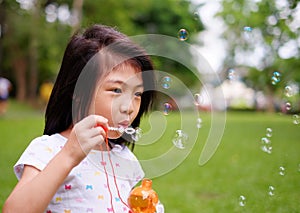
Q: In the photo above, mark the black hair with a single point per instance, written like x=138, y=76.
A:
x=78, y=62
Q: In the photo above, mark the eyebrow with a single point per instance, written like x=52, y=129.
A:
x=111, y=81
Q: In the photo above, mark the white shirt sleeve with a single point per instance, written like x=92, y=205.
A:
x=38, y=154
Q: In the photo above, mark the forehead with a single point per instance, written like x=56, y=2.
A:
x=125, y=72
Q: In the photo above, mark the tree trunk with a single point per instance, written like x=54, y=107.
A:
x=19, y=66
x=2, y=26
x=270, y=100
x=77, y=14
x=33, y=55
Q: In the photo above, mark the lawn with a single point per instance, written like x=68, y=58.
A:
x=239, y=167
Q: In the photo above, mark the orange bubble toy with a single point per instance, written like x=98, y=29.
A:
x=143, y=199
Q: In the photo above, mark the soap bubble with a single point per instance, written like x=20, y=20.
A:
x=281, y=170
x=296, y=119
x=269, y=132
x=168, y=47
x=197, y=99
x=183, y=34
x=288, y=91
x=291, y=89
x=167, y=108
x=247, y=29
x=276, y=77
x=242, y=200
x=138, y=134
x=196, y=16
x=288, y=106
x=199, y=123
x=231, y=74
x=166, y=82
x=266, y=145
x=271, y=191
x=247, y=32
x=180, y=139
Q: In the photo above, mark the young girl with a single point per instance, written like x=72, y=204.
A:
x=81, y=164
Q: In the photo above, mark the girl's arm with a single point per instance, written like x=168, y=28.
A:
x=36, y=188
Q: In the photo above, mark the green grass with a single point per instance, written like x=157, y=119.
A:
x=17, y=128
x=239, y=166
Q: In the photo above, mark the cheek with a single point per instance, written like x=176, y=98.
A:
x=102, y=108
x=136, y=105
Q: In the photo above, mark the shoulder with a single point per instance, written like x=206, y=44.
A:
x=39, y=152
x=51, y=141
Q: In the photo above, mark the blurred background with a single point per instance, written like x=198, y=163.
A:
x=253, y=49
x=253, y=46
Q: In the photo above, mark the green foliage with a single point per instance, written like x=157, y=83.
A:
x=20, y=29
x=133, y=17
x=270, y=28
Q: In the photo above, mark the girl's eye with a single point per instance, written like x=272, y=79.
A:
x=138, y=94
x=117, y=90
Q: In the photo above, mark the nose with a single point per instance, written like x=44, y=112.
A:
x=127, y=107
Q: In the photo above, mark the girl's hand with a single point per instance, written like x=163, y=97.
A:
x=87, y=134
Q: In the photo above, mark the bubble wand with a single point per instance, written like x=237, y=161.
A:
x=128, y=130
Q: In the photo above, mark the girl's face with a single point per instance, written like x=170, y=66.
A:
x=118, y=97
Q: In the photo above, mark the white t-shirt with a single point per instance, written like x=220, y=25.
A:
x=4, y=88
x=93, y=185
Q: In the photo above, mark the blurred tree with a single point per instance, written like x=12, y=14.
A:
x=15, y=45
x=2, y=22
x=134, y=17
x=36, y=31
x=262, y=35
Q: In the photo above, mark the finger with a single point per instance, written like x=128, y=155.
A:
x=99, y=130
x=94, y=120
x=103, y=125
x=97, y=140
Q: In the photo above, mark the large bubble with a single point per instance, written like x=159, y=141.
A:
x=174, y=49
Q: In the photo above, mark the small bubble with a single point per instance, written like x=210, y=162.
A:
x=265, y=140
x=266, y=145
x=242, y=200
x=231, y=74
x=269, y=132
x=166, y=82
x=180, y=139
x=288, y=91
x=281, y=170
x=197, y=99
x=271, y=191
x=288, y=106
x=196, y=16
x=276, y=77
x=247, y=32
x=199, y=123
x=296, y=119
x=167, y=108
x=138, y=134
x=299, y=167
x=183, y=34
x=248, y=29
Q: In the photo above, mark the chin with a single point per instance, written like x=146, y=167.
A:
x=114, y=135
